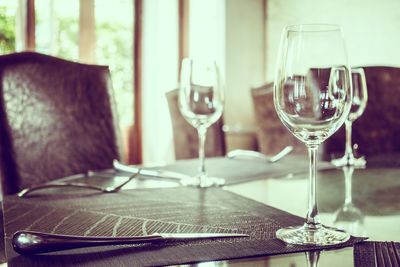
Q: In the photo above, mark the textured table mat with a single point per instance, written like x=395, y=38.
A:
x=244, y=170
x=145, y=211
x=365, y=256
x=2, y=248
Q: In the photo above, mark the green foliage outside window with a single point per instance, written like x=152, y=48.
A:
x=67, y=38
x=114, y=48
x=7, y=32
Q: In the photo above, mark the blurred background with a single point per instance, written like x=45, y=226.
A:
x=144, y=41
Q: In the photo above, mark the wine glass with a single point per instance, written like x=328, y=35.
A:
x=359, y=102
x=348, y=216
x=312, y=96
x=201, y=100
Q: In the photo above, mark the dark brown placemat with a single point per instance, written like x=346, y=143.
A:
x=236, y=171
x=365, y=256
x=140, y=212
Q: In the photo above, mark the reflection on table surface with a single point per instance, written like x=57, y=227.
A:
x=363, y=201
x=372, y=196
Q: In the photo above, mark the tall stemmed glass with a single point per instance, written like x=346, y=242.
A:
x=360, y=98
x=201, y=100
x=312, y=96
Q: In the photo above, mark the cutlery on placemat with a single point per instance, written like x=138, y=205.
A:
x=69, y=182
x=238, y=153
x=177, y=176
x=242, y=153
x=28, y=242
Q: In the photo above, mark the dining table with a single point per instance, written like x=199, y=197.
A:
x=258, y=198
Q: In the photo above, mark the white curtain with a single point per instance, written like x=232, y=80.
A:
x=159, y=74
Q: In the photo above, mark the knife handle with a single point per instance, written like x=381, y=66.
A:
x=28, y=242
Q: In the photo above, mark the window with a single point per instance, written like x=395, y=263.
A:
x=107, y=29
x=57, y=28
x=89, y=31
x=7, y=26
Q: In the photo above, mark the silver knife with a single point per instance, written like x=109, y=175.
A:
x=28, y=242
x=149, y=172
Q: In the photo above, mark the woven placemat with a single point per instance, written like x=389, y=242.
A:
x=236, y=171
x=145, y=211
x=2, y=248
x=365, y=254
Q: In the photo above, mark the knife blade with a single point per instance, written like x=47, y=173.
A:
x=183, y=236
x=30, y=242
x=177, y=176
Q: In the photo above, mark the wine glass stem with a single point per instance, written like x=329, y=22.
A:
x=349, y=149
x=313, y=219
x=202, y=131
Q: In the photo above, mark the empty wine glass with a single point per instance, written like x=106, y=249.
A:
x=359, y=102
x=312, y=96
x=201, y=100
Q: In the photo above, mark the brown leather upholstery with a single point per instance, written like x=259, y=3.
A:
x=185, y=135
x=272, y=135
x=57, y=118
x=377, y=131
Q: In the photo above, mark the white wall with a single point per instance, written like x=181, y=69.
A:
x=159, y=75
x=245, y=68
x=244, y=59
x=371, y=27
x=232, y=32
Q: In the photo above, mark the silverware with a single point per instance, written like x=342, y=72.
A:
x=241, y=153
x=28, y=242
x=177, y=176
x=110, y=189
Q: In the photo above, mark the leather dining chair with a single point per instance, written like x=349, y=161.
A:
x=185, y=135
x=57, y=118
x=272, y=136
x=377, y=131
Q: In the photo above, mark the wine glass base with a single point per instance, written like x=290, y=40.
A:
x=203, y=181
x=312, y=235
x=349, y=161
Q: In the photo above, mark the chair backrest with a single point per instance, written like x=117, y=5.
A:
x=57, y=118
x=377, y=131
x=185, y=135
x=272, y=136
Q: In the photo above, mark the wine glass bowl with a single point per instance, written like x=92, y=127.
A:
x=312, y=97
x=201, y=100
x=311, y=106
x=359, y=102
